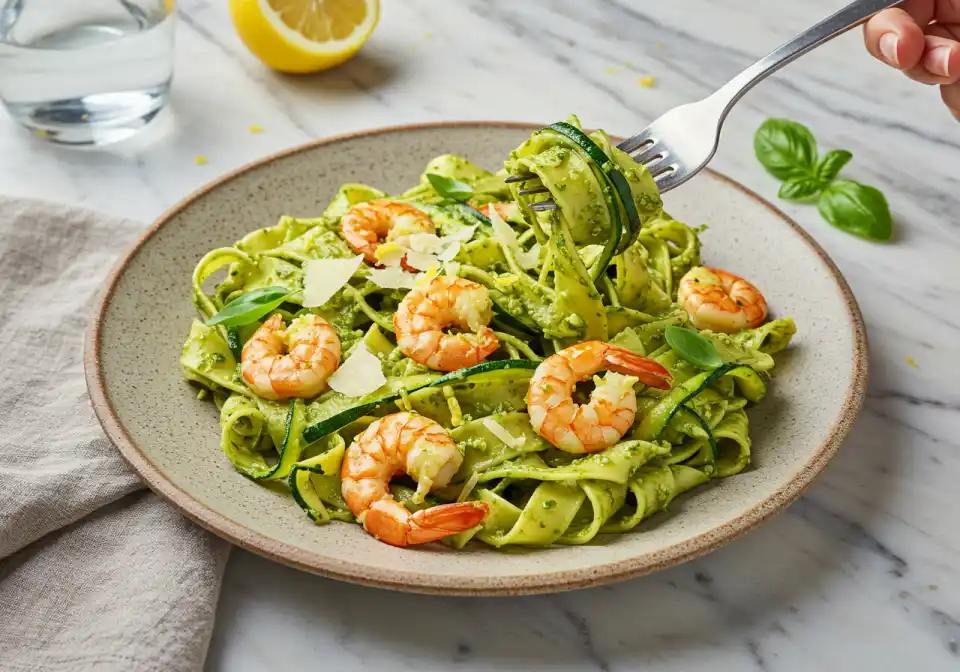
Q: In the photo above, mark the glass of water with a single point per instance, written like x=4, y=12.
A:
x=85, y=72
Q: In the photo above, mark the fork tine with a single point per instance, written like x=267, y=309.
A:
x=538, y=190
x=654, y=155
x=543, y=206
x=642, y=140
x=519, y=178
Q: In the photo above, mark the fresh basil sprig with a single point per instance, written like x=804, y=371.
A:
x=694, y=348
x=788, y=151
x=451, y=188
x=250, y=307
x=858, y=209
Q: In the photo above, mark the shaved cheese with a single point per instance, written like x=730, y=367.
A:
x=508, y=238
x=423, y=242
x=390, y=254
x=428, y=275
x=393, y=277
x=462, y=235
x=501, y=433
x=360, y=375
x=469, y=486
x=322, y=278
x=421, y=260
x=450, y=253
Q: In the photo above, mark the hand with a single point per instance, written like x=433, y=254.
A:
x=921, y=38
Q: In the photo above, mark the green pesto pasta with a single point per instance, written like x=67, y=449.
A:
x=606, y=271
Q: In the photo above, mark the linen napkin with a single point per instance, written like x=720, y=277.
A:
x=96, y=573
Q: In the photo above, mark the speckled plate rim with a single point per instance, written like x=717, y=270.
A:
x=412, y=581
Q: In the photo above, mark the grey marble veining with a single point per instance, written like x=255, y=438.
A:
x=860, y=574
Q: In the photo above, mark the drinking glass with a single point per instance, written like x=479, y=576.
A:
x=85, y=72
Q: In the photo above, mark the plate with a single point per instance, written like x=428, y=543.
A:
x=172, y=439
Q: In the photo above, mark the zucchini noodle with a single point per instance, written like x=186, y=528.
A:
x=605, y=264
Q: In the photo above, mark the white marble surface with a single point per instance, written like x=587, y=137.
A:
x=862, y=573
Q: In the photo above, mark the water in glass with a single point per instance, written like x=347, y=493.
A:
x=85, y=71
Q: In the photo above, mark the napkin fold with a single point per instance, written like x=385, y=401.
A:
x=96, y=573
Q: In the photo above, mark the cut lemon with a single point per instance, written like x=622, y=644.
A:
x=302, y=36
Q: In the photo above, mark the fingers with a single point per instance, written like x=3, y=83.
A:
x=940, y=63
x=894, y=37
x=951, y=96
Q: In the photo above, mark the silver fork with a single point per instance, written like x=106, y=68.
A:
x=679, y=144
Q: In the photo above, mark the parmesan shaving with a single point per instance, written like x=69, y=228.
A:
x=360, y=375
x=501, y=433
x=469, y=486
x=421, y=260
x=508, y=238
x=322, y=278
x=392, y=277
x=390, y=254
x=461, y=235
x=450, y=253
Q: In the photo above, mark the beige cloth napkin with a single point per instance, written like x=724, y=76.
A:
x=96, y=573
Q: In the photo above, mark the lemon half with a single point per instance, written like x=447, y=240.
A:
x=301, y=36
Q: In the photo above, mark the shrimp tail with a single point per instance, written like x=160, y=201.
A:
x=441, y=521
x=387, y=522
x=630, y=363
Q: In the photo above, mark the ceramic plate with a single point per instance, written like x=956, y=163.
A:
x=172, y=439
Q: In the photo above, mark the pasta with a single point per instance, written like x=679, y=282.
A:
x=604, y=269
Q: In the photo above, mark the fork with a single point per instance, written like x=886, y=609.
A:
x=680, y=143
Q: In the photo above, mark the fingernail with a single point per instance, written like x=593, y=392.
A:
x=938, y=61
x=888, y=47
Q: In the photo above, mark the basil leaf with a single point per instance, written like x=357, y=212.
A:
x=250, y=307
x=857, y=209
x=785, y=148
x=798, y=188
x=694, y=348
x=450, y=188
x=831, y=165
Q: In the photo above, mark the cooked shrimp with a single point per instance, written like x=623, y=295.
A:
x=612, y=408
x=720, y=301
x=507, y=211
x=280, y=363
x=367, y=225
x=415, y=445
x=446, y=302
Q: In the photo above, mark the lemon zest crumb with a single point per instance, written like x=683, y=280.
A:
x=611, y=69
x=647, y=82
x=255, y=128
x=428, y=36
x=912, y=363
x=200, y=159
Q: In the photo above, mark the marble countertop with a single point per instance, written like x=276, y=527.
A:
x=861, y=573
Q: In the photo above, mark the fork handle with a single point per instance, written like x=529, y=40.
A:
x=849, y=17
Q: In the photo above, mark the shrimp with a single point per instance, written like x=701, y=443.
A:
x=415, y=445
x=612, y=408
x=720, y=301
x=312, y=355
x=446, y=302
x=508, y=211
x=367, y=225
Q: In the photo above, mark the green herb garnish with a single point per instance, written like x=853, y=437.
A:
x=692, y=347
x=250, y=307
x=450, y=188
x=788, y=151
x=785, y=148
x=857, y=209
